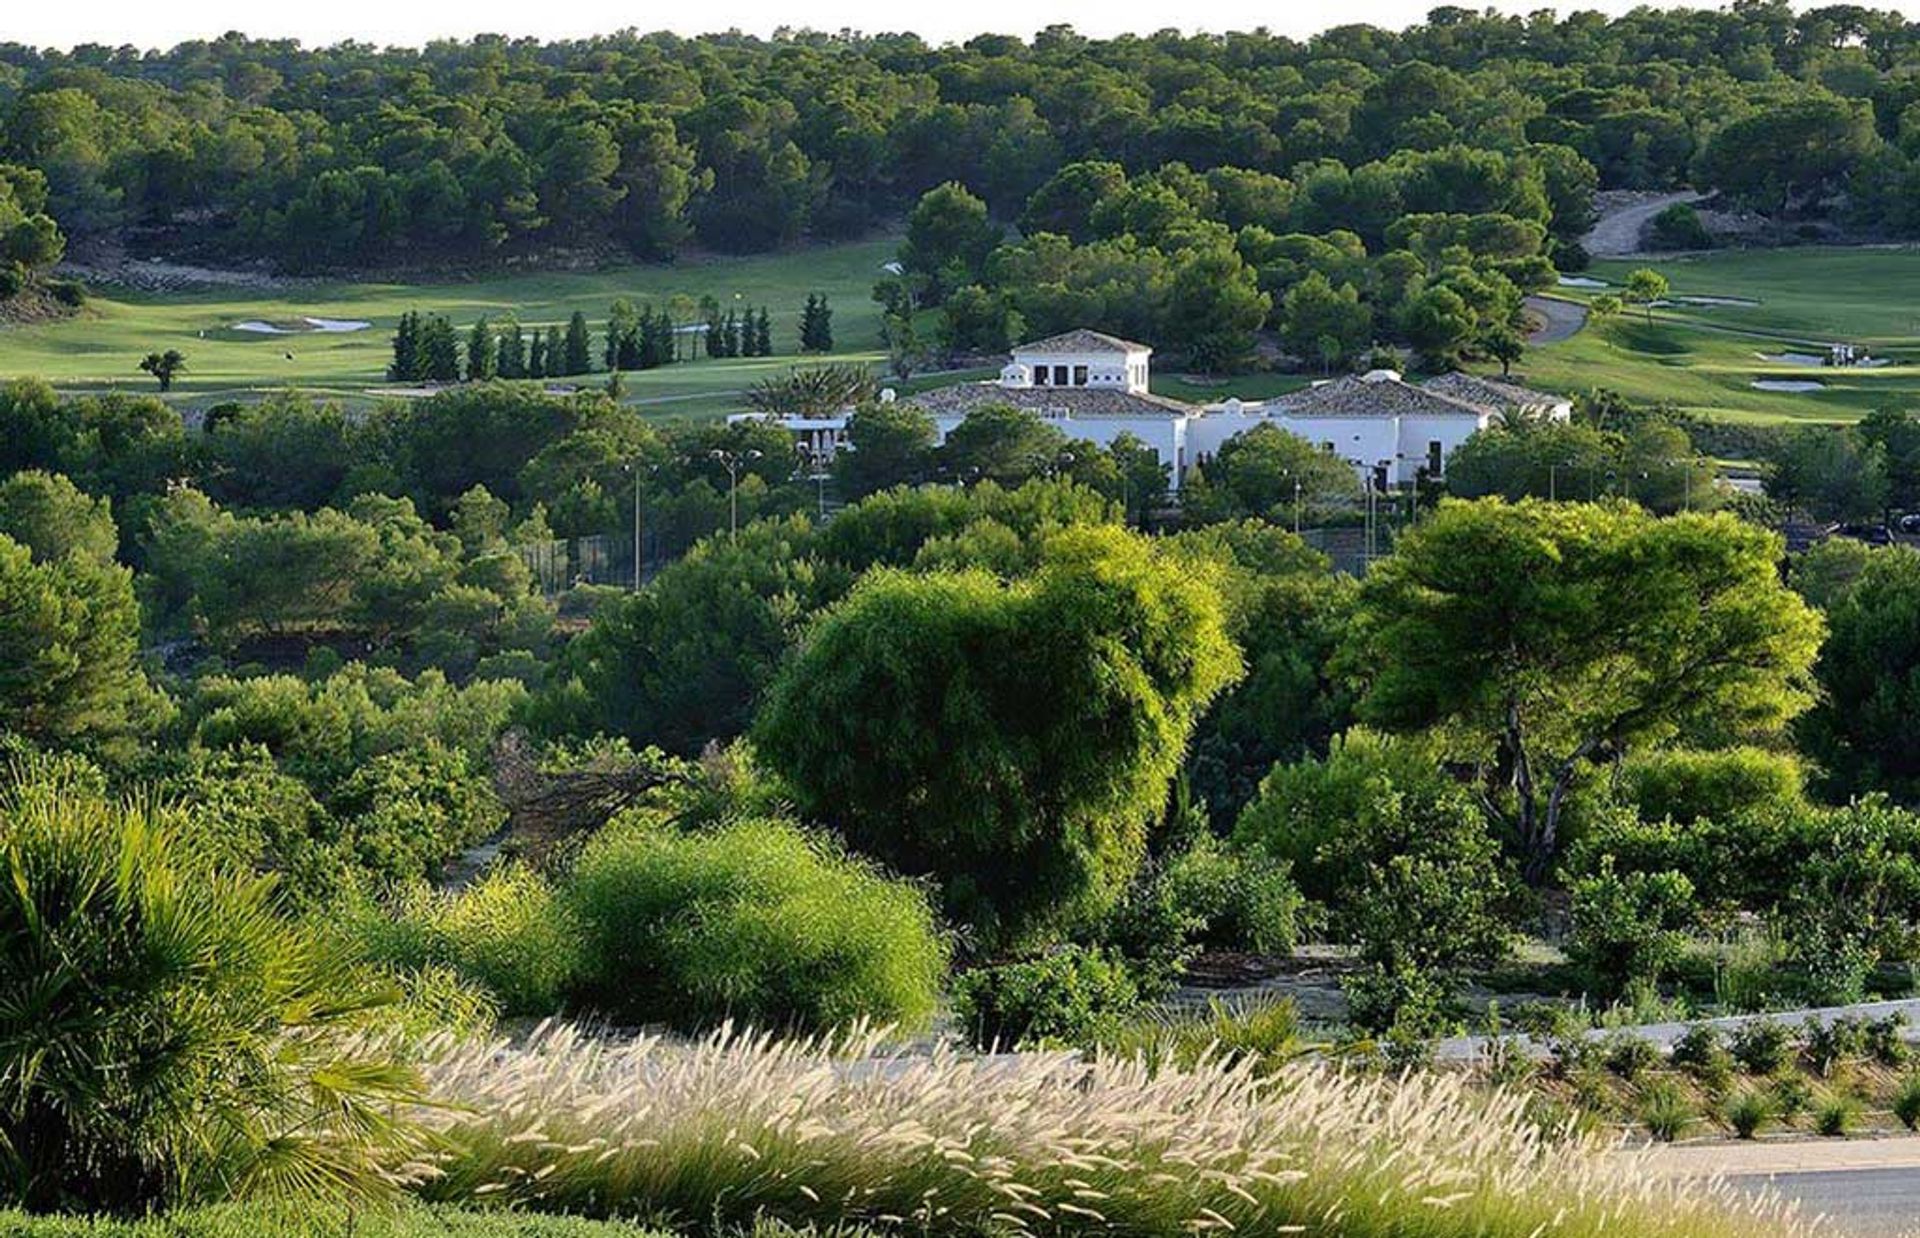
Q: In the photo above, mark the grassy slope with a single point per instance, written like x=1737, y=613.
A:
x=1704, y=359
x=104, y=347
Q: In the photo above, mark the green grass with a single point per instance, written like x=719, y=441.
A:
x=103, y=347
x=1705, y=359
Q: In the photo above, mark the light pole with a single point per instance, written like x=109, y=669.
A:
x=1686, y=462
x=1553, y=479
x=732, y=460
x=638, y=472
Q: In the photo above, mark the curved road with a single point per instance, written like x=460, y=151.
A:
x=1618, y=233
x=1559, y=320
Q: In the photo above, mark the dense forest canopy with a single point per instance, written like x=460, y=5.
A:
x=641, y=144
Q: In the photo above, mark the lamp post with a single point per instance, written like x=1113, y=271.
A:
x=1553, y=480
x=732, y=460
x=639, y=472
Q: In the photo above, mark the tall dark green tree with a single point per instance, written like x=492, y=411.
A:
x=577, y=354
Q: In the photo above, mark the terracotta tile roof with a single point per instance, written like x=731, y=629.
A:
x=1081, y=341
x=1380, y=396
x=1490, y=392
x=1074, y=401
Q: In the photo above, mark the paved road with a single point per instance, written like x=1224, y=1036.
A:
x=1559, y=320
x=1617, y=235
x=1856, y=1203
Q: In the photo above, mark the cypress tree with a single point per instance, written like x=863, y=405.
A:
x=440, y=349
x=406, y=349
x=663, y=329
x=513, y=351
x=713, y=338
x=578, y=357
x=556, y=360
x=822, y=326
x=633, y=343
x=730, y=336
x=537, y=356
x=763, y=334
x=483, y=356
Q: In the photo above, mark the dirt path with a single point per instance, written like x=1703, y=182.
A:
x=1623, y=217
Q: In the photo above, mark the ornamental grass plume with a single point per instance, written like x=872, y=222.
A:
x=833, y=1131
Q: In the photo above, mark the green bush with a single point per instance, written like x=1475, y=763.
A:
x=1702, y=1053
x=510, y=933
x=1687, y=785
x=1791, y=1094
x=1665, y=1110
x=1906, y=1102
x=1763, y=1046
x=1836, y=1116
x=1402, y=856
x=164, y=1035
x=1630, y=1056
x=755, y=921
x=1072, y=996
x=1748, y=1112
x=1011, y=739
x=1629, y=928
x=1679, y=227
x=1833, y=1042
x=408, y=812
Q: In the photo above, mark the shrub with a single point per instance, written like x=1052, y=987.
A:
x=409, y=812
x=1029, y=730
x=1265, y=1030
x=1886, y=1040
x=1665, y=1110
x=1686, y=785
x=1791, y=1095
x=1400, y=852
x=1702, y=1054
x=754, y=920
x=1071, y=996
x=1836, y=1116
x=1629, y=928
x=1763, y=1046
x=1749, y=1111
x=1679, y=227
x=1906, y=1102
x=1205, y=895
x=509, y=933
x=1630, y=1056
x=1833, y=1042
x=164, y=1035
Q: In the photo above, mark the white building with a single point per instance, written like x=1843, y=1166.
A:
x=1095, y=387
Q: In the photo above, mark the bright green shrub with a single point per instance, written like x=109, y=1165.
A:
x=510, y=933
x=1763, y=1046
x=164, y=1034
x=1012, y=740
x=1687, y=784
x=1071, y=996
x=755, y=921
x=408, y=812
x=1630, y=928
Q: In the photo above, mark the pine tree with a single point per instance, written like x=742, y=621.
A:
x=622, y=325
x=578, y=358
x=556, y=359
x=763, y=334
x=730, y=336
x=483, y=355
x=665, y=352
x=440, y=351
x=406, y=350
x=714, y=339
x=633, y=343
x=537, y=356
x=822, y=326
x=513, y=351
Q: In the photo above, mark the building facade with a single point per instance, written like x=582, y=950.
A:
x=1095, y=387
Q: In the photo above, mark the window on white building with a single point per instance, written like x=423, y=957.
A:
x=1079, y=375
x=1436, y=457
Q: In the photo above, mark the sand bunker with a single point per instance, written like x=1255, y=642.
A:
x=302, y=326
x=1817, y=361
x=1582, y=281
x=1715, y=301
x=1794, y=385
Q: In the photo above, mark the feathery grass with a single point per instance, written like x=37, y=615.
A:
x=822, y=1132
